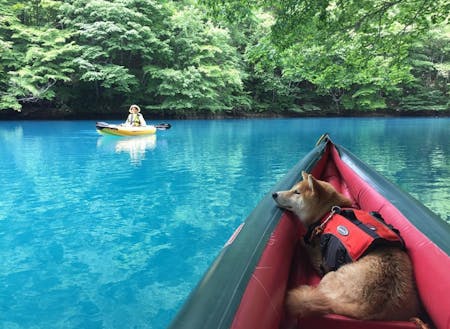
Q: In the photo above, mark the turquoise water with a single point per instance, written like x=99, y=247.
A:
x=99, y=232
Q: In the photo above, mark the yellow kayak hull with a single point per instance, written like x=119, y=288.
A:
x=119, y=130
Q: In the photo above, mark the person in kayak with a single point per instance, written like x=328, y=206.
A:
x=135, y=118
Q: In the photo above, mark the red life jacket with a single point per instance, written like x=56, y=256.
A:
x=349, y=234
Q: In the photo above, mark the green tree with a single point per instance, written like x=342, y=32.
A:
x=270, y=88
x=202, y=72
x=252, y=55
x=430, y=62
x=34, y=53
x=355, y=52
x=117, y=39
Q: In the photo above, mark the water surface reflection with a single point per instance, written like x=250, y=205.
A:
x=136, y=147
x=90, y=241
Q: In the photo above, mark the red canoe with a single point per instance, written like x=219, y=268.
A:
x=246, y=285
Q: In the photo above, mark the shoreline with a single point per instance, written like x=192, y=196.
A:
x=55, y=114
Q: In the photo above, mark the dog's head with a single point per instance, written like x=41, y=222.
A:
x=310, y=199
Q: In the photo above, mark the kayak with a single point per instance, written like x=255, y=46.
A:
x=245, y=287
x=122, y=130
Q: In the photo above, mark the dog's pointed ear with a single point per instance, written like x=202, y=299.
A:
x=304, y=175
x=313, y=185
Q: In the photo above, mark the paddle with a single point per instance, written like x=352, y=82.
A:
x=104, y=125
x=163, y=126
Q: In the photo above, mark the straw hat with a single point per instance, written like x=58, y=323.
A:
x=134, y=106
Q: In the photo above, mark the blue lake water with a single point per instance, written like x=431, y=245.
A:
x=99, y=232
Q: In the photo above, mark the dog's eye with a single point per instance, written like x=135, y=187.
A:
x=297, y=192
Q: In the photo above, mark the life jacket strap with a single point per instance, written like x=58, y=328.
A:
x=316, y=230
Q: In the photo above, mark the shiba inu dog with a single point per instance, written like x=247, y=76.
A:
x=378, y=286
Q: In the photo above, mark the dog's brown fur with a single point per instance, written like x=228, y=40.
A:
x=379, y=286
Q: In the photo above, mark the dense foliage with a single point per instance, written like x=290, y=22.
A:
x=237, y=56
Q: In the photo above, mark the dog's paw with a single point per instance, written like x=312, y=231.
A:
x=419, y=323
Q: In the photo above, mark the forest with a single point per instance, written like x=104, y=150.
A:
x=207, y=58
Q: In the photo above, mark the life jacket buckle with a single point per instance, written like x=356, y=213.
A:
x=336, y=210
x=319, y=229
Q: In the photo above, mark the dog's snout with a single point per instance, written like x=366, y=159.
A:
x=275, y=195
